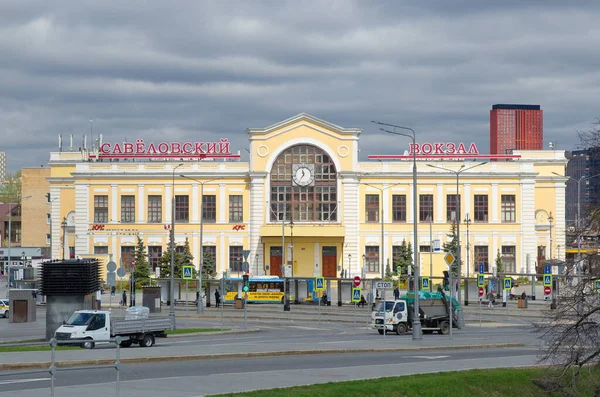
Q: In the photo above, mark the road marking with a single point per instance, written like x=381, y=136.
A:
x=429, y=357
x=309, y=328
x=8, y=382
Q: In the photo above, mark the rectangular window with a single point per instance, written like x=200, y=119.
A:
x=209, y=258
x=127, y=209
x=48, y=219
x=425, y=207
x=154, y=209
x=509, y=258
x=452, y=207
x=372, y=258
x=424, y=248
x=154, y=254
x=127, y=255
x=236, y=208
x=372, y=208
x=182, y=209
x=235, y=258
x=396, y=251
x=481, y=208
x=48, y=239
x=100, y=209
x=480, y=253
x=209, y=208
x=509, y=208
x=101, y=250
x=399, y=208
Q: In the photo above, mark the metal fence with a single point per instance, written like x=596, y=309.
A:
x=54, y=370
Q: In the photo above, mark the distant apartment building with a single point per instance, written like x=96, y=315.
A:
x=516, y=127
x=2, y=167
x=35, y=205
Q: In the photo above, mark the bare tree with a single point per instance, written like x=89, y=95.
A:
x=571, y=332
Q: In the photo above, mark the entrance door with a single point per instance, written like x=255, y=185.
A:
x=19, y=311
x=276, y=261
x=329, y=261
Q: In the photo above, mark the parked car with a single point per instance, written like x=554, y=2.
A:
x=4, y=307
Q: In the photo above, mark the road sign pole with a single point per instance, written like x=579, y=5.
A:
x=245, y=301
x=450, y=303
x=187, y=298
x=384, y=316
x=354, y=317
x=480, y=312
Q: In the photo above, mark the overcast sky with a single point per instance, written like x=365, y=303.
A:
x=200, y=70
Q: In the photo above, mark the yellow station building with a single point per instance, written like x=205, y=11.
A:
x=304, y=189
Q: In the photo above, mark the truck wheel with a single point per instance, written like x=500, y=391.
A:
x=380, y=331
x=6, y=314
x=401, y=328
x=126, y=343
x=147, y=341
x=88, y=344
x=445, y=328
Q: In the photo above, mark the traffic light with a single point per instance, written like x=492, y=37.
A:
x=246, y=279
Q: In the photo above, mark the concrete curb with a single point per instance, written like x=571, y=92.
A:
x=74, y=363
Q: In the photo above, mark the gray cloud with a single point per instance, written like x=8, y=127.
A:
x=205, y=69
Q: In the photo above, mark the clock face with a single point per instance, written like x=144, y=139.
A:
x=303, y=175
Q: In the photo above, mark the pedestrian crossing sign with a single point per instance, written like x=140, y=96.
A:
x=507, y=283
x=187, y=272
x=547, y=280
x=319, y=283
x=356, y=292
x=597, y=285
x=425, y=283
x=480, y=280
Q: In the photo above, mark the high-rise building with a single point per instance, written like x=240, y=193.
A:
x=2, y=167
x=584, y=170
x=516, y=127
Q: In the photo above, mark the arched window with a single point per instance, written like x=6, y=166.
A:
x=304, y=186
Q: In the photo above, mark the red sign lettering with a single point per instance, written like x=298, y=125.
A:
x=239, y=227
x=140, y=149
x=438, y=148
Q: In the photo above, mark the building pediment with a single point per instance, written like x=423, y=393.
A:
x=302, y=120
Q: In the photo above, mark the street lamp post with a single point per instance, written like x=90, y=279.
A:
x=172, y=284
x=416, y=330
x=349, y=265
x=63, y=226
x=200, y=305
x=458, y=248
x=467, y=222
x=430, y=251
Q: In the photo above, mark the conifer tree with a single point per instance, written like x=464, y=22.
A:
x=141, y=271
x=452, y=246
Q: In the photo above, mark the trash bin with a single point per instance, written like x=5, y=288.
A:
x=522, y=303
x=239, y=303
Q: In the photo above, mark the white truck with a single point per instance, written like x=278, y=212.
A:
x=397, y=316
x=93, y=325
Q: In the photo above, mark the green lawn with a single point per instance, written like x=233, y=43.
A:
x=40, y=348
x=194, y=330
x=488, y=383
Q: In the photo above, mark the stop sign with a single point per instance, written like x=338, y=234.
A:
x=356, y=281
x=547, y=290
x=480, y=291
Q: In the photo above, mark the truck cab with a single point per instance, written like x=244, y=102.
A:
x=390, y=315
x=87, y=325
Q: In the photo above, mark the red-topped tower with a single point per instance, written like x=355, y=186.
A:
x=519, y=127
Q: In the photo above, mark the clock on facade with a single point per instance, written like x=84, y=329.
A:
x=303, y=174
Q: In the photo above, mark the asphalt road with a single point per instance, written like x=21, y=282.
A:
x=196, y=378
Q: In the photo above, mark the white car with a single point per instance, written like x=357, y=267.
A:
x=4, y=307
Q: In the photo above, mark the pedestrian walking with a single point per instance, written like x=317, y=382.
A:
x=124, y=299
x=491, y=299
x=217, y=298
x=396, y=293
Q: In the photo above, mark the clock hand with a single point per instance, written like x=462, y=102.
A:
x=302, y=173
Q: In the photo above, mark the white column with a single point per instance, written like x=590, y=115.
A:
x=526, y=217
x=409, y=204
x=258, y=213
x=141, y=199
x=348, y=214
x=439, y=215
x=114, y=203
x=195, y=203
x=82, y=219
x=222, y=204
x=168, y=197
x=466, y=199
x=494, y=207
